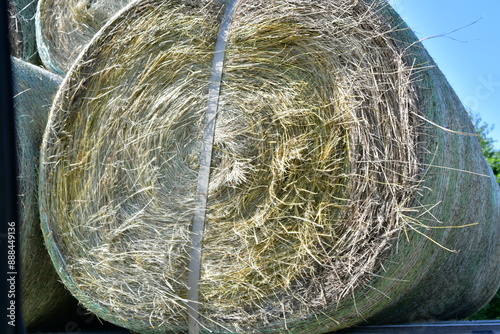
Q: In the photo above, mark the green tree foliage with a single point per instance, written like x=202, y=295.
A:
x=492, y=310
x=492, y=155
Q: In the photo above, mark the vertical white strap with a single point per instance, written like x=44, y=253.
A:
x=204, y=171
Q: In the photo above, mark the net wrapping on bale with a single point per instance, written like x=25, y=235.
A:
x=64, y=27
x=22, y=30
x=320, y=183
x=43, y=295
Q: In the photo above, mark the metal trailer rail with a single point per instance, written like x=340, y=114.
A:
x=444, y=327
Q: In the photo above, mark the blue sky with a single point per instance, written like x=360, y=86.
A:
x=469, y=57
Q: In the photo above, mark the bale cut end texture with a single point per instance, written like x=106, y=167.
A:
x=44, y=297
x=342, y=184
x=64, y=27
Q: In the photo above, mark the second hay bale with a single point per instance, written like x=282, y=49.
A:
x=44, y=297
x=22, y=30
x=64, y=27
x=327, y=188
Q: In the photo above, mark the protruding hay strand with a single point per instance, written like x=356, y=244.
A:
x=308, y=92
x=64, y=28
x=43, y=296
x=22, y=30
x=15, y=31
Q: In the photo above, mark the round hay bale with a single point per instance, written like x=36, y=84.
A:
x=22, y=30
x=15, y=33
x=341, y=187
x=64, y=27
x=43, y=295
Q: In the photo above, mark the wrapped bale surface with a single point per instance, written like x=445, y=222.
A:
x=333, y=191
x=44, y=297
x=64, y=27
x=15, y=32
x=450, y=286
x=22, y=30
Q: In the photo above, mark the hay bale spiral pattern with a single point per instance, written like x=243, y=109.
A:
x=319, y=179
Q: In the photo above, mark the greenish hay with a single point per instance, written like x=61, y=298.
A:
x=328, y=183
x=64, y=27
x=15, y=32
x=22, y=30
x=443, y=285
x=43, y=295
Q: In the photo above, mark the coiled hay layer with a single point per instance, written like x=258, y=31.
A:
x=43, y=295
x=64, y=27
x=323, y=197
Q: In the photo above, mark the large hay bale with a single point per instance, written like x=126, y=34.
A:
x=43, y=295
x=15, y=32
x=336, y=194
x=64, y=27
x=22, y=30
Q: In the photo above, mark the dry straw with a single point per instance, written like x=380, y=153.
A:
x=332, y=195
x=43, y=296
x=15, y=32
x=22, y=30
x=64, y=27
